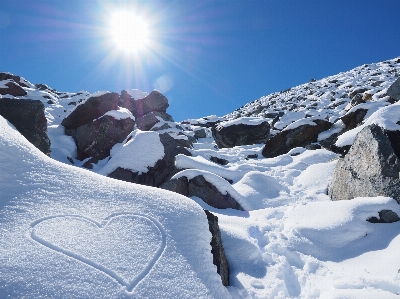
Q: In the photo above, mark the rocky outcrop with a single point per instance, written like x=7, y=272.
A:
x=90, y=110
x=147, y=121
x=12, y=89
x=198, y=186
x=394, y=90
x=98, y=137
x=300, y=136
x=370, y=168
x=217, y=249
x=147, y=111
x=28, y=118
x=385, y=216
x=162, y=170
x=353, y=118
x=240, y=134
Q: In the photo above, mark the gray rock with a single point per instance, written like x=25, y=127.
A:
x=203, y=189
x=13, y=89
x=92, y=109
x=354, y=118
x=200, y=133
x=28, y=118
x=240, y=134
x=217, y=248
x=370, y=168
x=394, y=90
x=199, y=187
x=356, y=100
x=385, y=216
x=155, y=101
x=97, y=138
x=147, y=121
x=301, y=136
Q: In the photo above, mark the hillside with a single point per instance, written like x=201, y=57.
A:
x=269, y=171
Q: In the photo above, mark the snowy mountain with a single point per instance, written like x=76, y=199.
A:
x=81, y=223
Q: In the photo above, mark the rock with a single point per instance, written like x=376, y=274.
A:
x=179, y=185
x=301, y=136
x=385, y=216
x=198, y=186
x=394, y=90
x=370, y=168
x=353, y=118
x=17, y=79
x=90, y=110
x=126, y=101
x=217, y=248
x=97, y=138
x=162, y=171
x=356, y=100
x=240, y=134
x=155, y=101
x=28, y=118
x=367, y=97
x=358, y=91
x=200, y=133
x=219, y=161
x=13, y=89
x=146, y=122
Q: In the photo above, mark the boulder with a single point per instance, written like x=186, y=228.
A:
x=353, y=118
x=28, y=118
x=356, y=100
x=163, y=170
x=97, y=138
x=17, y=79
x=147, y=121
x=198, y=186
x=240, y=134
x=300, y=136
x=394, y=90
x=200, y=133
x=13, y=89
x=155, y=101
x=370, y=168
x=217, y=249
x=93, y=108
x=385, y=216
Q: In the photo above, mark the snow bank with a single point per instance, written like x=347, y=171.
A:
x=143, y=150
x=69, y=233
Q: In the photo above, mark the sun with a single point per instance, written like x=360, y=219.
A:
x=129, y=31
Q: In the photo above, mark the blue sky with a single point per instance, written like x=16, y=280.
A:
x=207, y=57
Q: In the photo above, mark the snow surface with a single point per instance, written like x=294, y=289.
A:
x=67, y=232
x=251, y=121
x=121, y=113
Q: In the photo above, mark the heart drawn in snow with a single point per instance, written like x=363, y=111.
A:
x=124, y=246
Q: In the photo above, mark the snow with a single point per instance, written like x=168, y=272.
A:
x=250, y=121
x=67, y=232
x=70, y=233
x=137, y=94
x=143, y=150
x=98, y=93
x=121, y=113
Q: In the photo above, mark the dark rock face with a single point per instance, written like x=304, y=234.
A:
x=394, y=90
x=354, y=118
x=356, y=100
x=147, y=121
x=217, y=249
x=97, y=138
x=240, y=134
x=199, y=187
x=155, y=101
x=200, y=133
x=219, y=161
x=385, y=216
x=161, y=172
x=13, y=89
x=92, y=109
x=17, y=79
x=28, y=118
x=370, y=168
x=301, y=136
